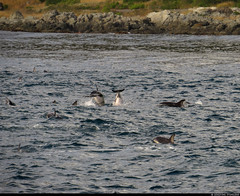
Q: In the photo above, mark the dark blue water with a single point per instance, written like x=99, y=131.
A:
x=91, y=149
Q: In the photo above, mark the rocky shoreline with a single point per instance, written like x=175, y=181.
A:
x=194, y=21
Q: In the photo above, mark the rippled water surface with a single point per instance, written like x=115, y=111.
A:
x=108, y=149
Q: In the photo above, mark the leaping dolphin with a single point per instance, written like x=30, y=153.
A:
x=97, y=97
x=118, y=99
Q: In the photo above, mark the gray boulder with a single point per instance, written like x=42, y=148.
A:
x=198, y=21
x=17, y=15
x=111, y=23
x=53, y=21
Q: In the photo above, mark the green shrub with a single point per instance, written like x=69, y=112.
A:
x=87, y=7
x=238, y=4
x=113, y=5
x=170, y=4
x=123, y=6
x=154, y=5
x=54, y=2
x=178, y=4
x=136, y=6
x=29, y=8
x=105, y=9
x=71, y=1
x=5, y=6
x=207, y=3
x=134, y=1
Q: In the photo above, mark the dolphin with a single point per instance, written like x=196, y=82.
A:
x=19, y=147
x=9, y=102
x=118, y=99
x=181, y=103
x=74, y=103
x=51, y=115
x=97, y=97
x=164, y=140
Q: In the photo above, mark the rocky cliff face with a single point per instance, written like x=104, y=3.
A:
x=199, y=21
x=54, y=21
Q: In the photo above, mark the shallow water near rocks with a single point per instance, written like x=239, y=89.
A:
x=109, y=149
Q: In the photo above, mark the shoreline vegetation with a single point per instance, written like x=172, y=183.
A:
x=196, y=17
x=38, y=8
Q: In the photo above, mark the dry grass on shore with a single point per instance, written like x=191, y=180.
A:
x=26, y=7
x=37, y=9
x=92, y=1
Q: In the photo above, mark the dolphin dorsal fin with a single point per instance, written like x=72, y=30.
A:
x=172, y=138
x=181, y=101
x=96, y=87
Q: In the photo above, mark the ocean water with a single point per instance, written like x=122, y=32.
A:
x=109, y=149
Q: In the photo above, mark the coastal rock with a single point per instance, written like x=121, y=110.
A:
x=194, y=21
x=50, y=16
x=159, y=17
x=198, y=21
x=110, y=23
x=53, y=21
x=67, y=17
x=17, y=15
x=14, y=22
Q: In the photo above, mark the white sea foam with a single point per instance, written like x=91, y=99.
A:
x=89, y=103
x=199, y=102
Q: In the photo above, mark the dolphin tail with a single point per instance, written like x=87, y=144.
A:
x=118, y=91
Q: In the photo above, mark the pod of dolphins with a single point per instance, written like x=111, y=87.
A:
x=98, y=99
